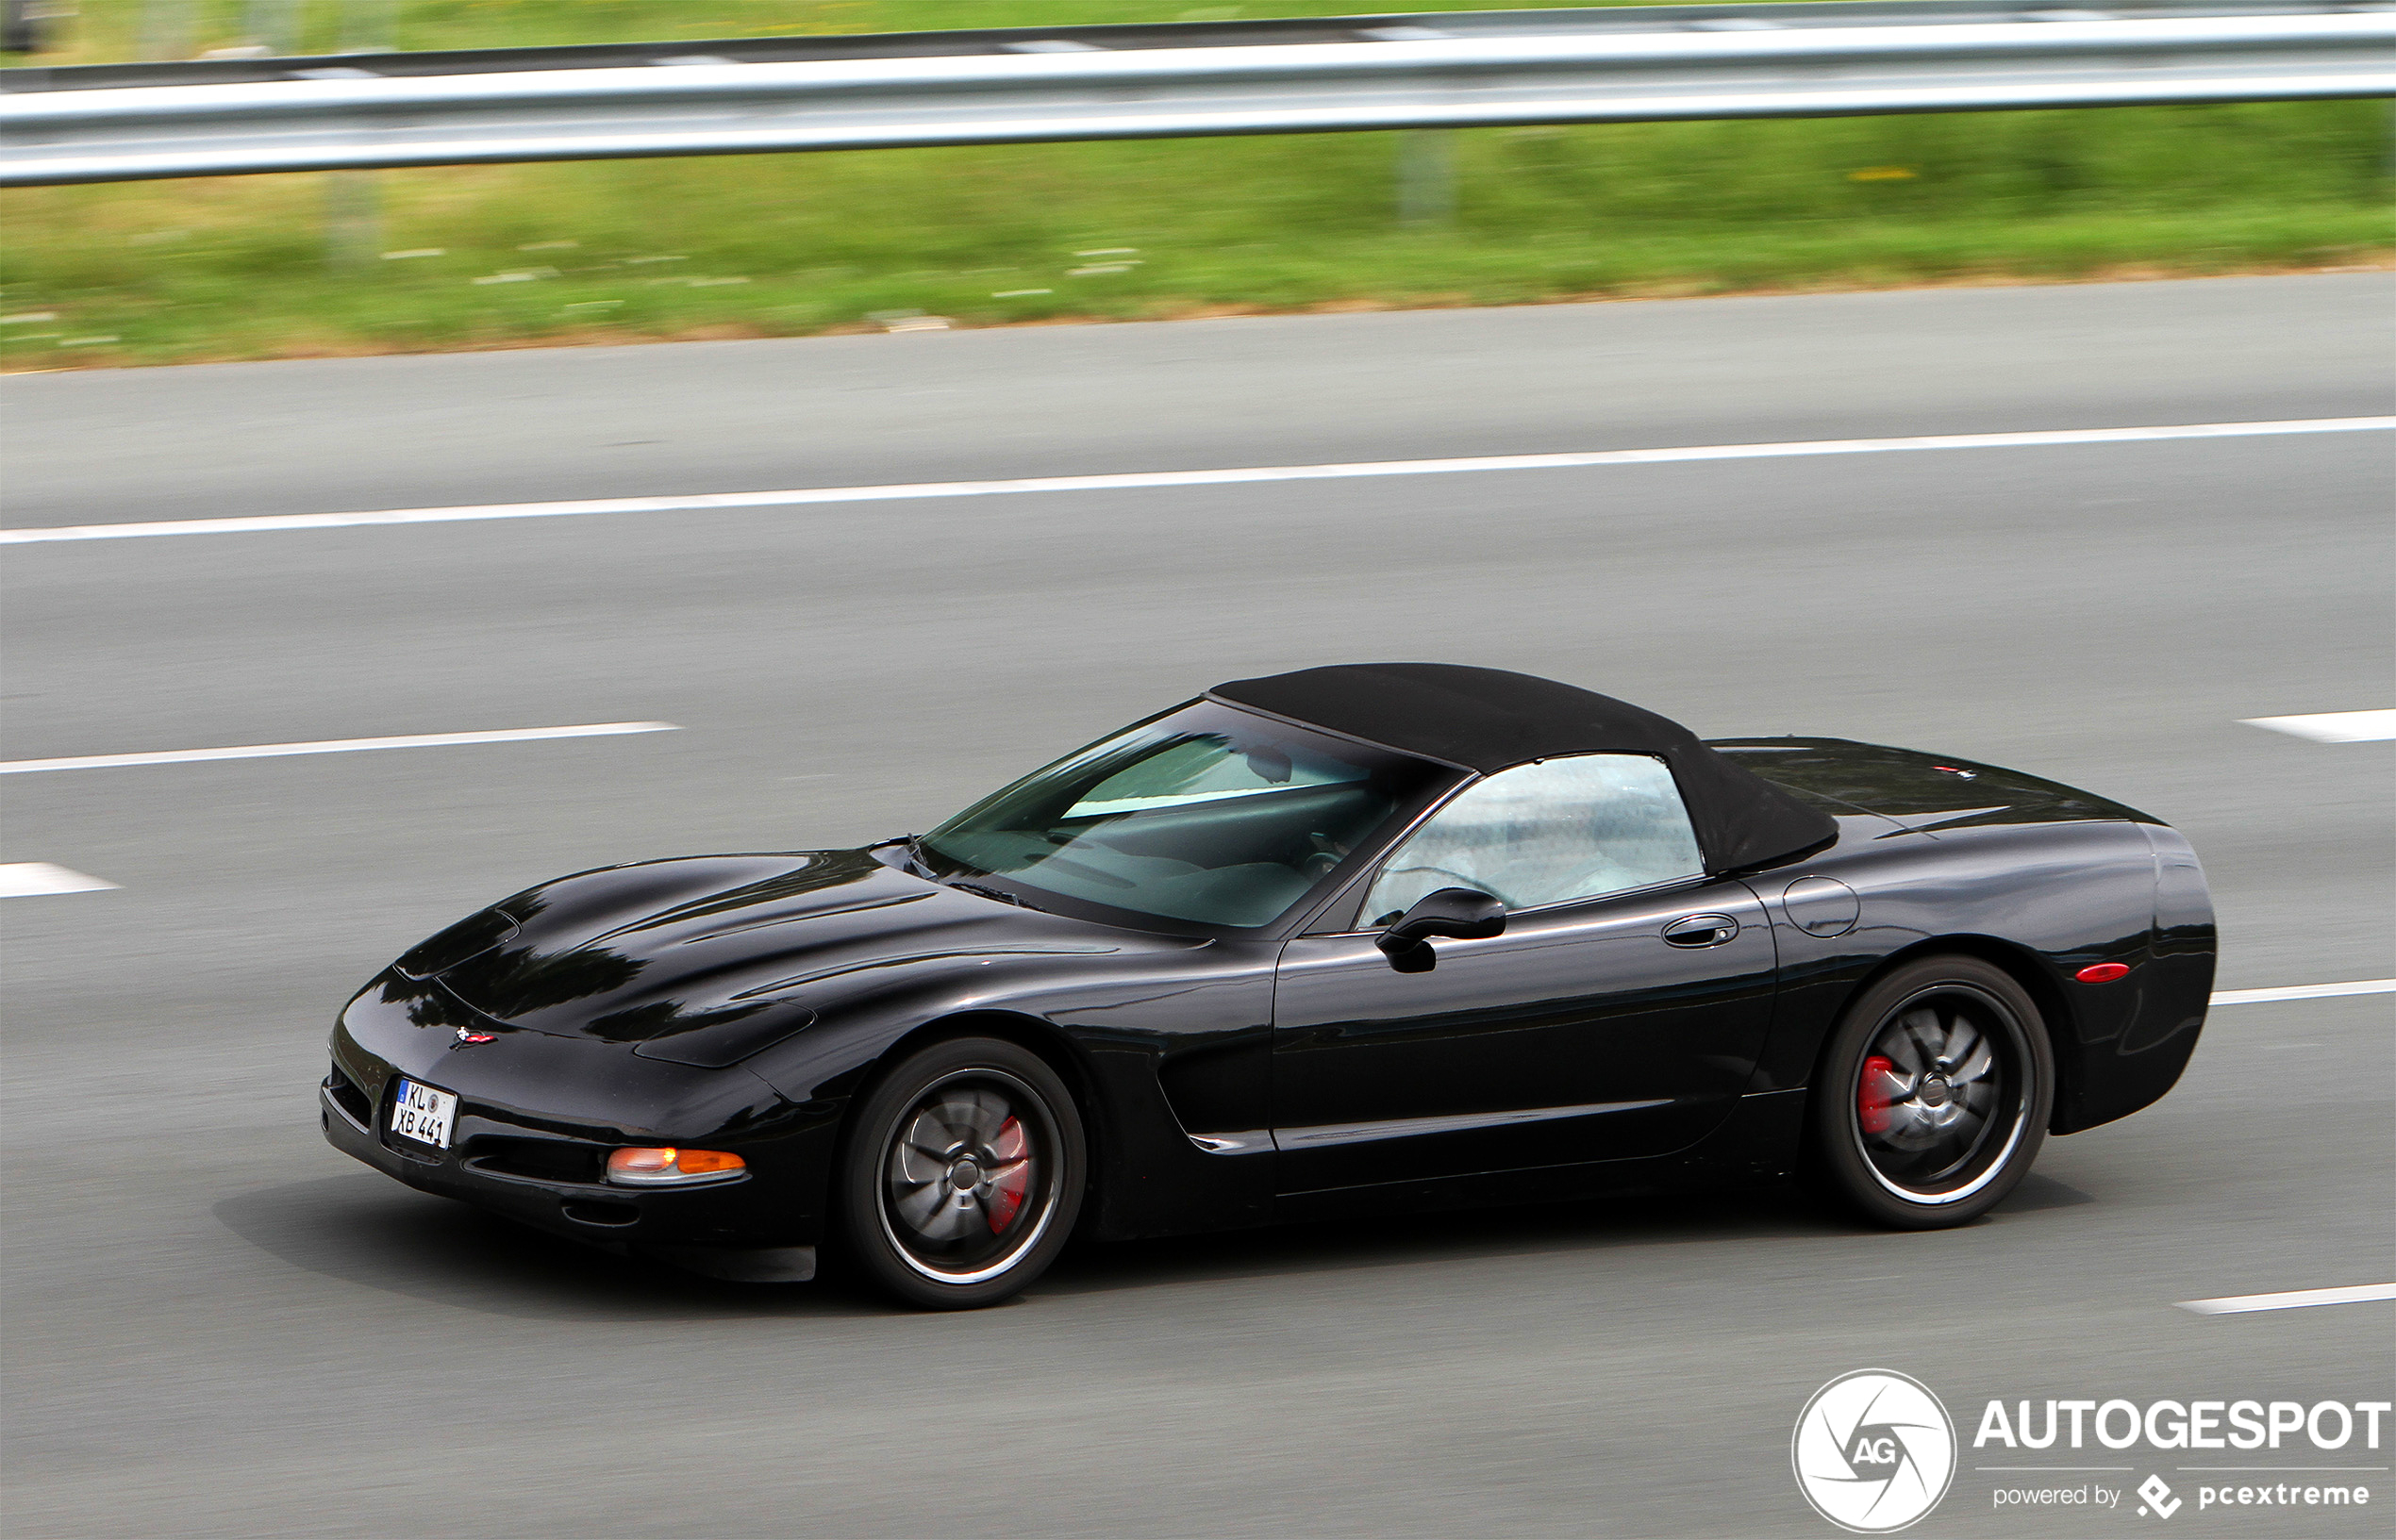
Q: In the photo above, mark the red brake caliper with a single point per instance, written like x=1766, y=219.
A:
x=1871, y=1099
x=1013, y=1176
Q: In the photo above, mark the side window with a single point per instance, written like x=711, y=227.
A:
x=1543, y=834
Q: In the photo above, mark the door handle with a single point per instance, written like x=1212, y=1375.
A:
x=1701, y=930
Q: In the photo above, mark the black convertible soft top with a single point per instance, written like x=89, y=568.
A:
x=1490, y=719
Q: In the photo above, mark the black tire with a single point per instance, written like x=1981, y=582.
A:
x=961, y=1174
x=1948, y=1121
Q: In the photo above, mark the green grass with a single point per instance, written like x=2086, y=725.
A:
x=789, y=244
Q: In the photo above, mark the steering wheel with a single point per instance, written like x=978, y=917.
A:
x=1327, y=854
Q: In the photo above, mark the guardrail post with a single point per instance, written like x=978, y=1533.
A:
x=27, y=26
x=353, y=219
x=167, y=29
x=1426, y=176
x=354, y=199
x=274, y=24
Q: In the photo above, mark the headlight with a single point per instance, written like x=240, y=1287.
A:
x=645, y=1167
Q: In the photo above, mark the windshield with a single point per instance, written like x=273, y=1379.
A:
x=1207, y=813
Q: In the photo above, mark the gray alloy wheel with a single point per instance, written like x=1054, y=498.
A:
x=1932, y=1095
x=962, y=1174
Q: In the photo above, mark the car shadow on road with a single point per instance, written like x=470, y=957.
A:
x=363, y=1229
x=2042, y=1192
x=1589, y=1227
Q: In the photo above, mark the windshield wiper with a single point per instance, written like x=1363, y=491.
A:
x=910, y=851
x=910, y=855
x=995, y=893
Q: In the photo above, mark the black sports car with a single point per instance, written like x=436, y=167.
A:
x=1372, y=938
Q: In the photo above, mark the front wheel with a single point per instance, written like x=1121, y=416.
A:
x=962, y=1174
x=1932, y=1095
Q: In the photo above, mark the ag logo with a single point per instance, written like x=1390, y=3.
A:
x=1873, y=1451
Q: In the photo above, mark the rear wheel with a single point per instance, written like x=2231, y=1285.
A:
x=1933, y=1096
x=962, y=1174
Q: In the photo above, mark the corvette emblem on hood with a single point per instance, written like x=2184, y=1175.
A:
x=468, y=1034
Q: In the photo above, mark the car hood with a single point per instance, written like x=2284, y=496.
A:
x=709, y=960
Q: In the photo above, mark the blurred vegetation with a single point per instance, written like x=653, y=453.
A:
x=770, y=245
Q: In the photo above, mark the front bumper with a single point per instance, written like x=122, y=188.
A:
x=715, y=1214
x=537, y=1114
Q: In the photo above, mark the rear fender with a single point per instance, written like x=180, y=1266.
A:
x=2040, y=979
x=2041, y=902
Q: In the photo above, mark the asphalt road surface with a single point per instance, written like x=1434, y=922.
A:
x=215, y=1325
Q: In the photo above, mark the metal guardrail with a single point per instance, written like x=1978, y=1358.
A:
x=1420, y=71
x=1416, y=26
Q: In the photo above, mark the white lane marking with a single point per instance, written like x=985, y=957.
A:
x=33, y=879
x=343, y=745
x=2307, y=991
x=2333, y=726
x=2238, y=1304
x=720, y=502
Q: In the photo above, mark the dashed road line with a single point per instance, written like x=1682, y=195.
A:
x=2305, y=992
x=38, y=879
x=2239, y=1304
x=346, y=745
x=2333, y=726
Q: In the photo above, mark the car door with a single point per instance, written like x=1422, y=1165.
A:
x=1619, y=1014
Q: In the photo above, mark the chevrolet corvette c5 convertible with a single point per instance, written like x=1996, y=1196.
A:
x=1364, y=939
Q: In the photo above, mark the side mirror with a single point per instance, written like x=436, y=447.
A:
x=1457, y=912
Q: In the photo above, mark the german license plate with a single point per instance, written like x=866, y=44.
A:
x=422, y=1114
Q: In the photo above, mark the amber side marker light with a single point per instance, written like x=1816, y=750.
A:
x=650, y=1167
x=2102, y=972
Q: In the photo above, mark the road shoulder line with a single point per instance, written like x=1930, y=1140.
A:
x=802, y=497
